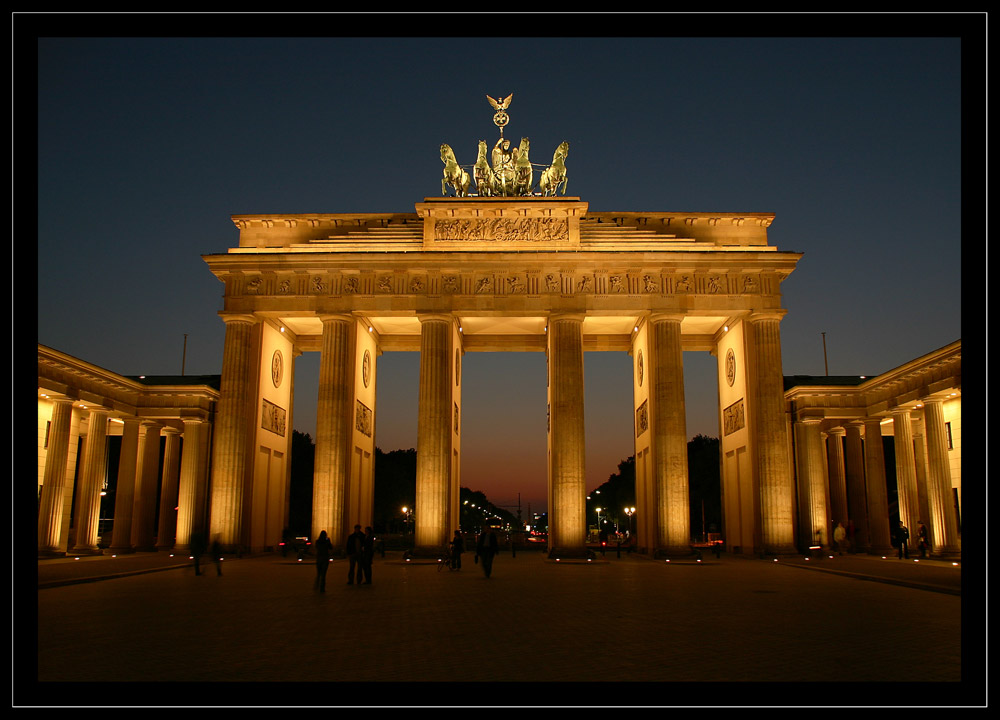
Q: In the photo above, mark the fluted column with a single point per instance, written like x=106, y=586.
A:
x=879, y=533
x=233, y=424
x=50, y=509
x=434, y=415
x=128, y=463
x=943, y=523
x=167, y=526
x=191, y=477
x=668, y=423
x=567, y=448
x=906, y=470
x=837, y=475
x=857, y=505
x=813, y=523
x=88, y=496
x=147, y=479
x=766, y=392
x=333, y=428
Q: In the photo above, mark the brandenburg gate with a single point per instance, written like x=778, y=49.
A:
x=507, y=268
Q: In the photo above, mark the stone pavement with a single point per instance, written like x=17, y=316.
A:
x=671, y=631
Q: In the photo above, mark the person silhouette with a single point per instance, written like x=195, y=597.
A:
x=486, y=549
x=354, y=548
x=367, y=555
x=323, y=548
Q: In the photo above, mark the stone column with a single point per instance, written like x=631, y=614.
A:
x=668, y=423
x=920, y=465
x=167, y=526
x=857, y=506
x=235, y=418
x=147, y=476
x=567, y=448
x=50, y=509
x=191, y=477
x=837, y=475
x=765, y=389
x=333, y=429
x=942, y=523
x=906, y=470
x=813, y=522
x=88, y=497
x=879, y=533
x=128, y=462
x=434, y=415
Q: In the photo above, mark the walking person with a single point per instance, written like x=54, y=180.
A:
x=903, y=538
x=367, y=555
x=323, y=548
x=355, y=545
x=216, y=551
x=197, y=549
x=840, y=537
x=486, y=549
x=457, y=548
x=922, y=539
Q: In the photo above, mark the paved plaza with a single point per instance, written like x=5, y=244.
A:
x=621, y=630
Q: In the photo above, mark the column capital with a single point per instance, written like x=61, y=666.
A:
x=665, y=317
x=837, y=430
x=808, y=420
x=336, y=317
x=758, y=315
x=232, y=317
x=435, y=317
x=580, y=317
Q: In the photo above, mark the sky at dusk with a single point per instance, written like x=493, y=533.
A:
x=147, y=145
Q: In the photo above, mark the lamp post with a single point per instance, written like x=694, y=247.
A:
x=629, y=511
x=406, y=518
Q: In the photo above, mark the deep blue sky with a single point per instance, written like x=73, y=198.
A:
x=147, y=146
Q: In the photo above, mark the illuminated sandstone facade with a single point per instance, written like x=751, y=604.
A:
x=483, y=275
x=838, y=425
x=505, y=274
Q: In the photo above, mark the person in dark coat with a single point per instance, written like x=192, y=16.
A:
x=355, y=546
x=923, y=540
x=323, y=548
x=367, y=555
x=216, y=551
x=198, y=547
x=903, y=539
x=486, y=549
x=457, y=548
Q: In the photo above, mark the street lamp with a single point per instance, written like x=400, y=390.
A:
x=629, y=511
x=598, y=519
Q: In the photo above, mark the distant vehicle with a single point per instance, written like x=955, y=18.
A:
x=538, y=537
x=298, y=544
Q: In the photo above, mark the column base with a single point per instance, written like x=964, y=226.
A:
x=677, y=554
x=119, y=550
x=46, y=554
x=86, y=551
x=571, y=553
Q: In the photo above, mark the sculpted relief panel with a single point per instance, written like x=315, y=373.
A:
x=499, y=283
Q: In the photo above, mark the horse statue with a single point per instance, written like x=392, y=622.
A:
x=482, y=173
x=453, y=174
x=555, y=173
x=523, y=174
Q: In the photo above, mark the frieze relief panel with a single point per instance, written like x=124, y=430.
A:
x=363, y=419
x=597, y=282
x=272, y=418
x=502, y=230
x=641, y=419
x=733, y=418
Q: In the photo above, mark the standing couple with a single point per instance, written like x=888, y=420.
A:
x=360, y=552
